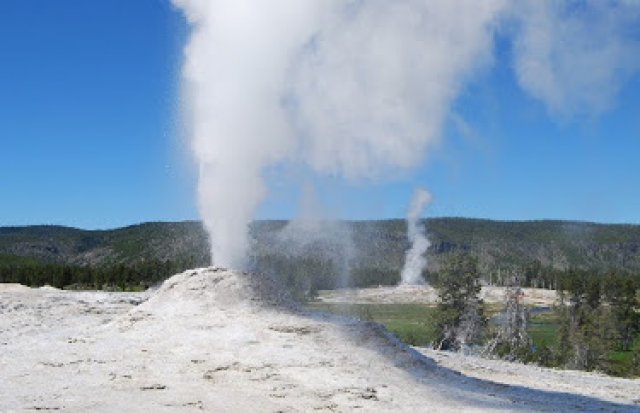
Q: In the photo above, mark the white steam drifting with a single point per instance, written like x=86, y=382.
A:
x=360, y=89
x=575, y=55
x=415, y=259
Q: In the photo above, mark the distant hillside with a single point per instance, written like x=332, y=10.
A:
x=500, y=246
x=555, y=244
x=154, y=240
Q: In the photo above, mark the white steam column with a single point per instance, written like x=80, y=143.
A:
x=415, y=259
x=354, y=90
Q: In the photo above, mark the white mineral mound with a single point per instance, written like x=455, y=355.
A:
x=219, y=341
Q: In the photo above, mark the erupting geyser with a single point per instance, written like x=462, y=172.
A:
x=415, y=259
x=354, y=89
x=360, y=89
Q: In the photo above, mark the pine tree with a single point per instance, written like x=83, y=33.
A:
x=512, y=340
x=460, y=319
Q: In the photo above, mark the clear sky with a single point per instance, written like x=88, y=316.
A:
x=89, y=137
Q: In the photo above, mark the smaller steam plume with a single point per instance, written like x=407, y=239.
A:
x=416, y=260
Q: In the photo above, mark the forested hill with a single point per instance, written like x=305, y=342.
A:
x=64, y=245
x=500, y=246
x=555, y=244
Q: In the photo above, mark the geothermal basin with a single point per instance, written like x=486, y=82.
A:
x=225, y=341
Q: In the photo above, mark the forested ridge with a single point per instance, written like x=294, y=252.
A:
x=346, y=253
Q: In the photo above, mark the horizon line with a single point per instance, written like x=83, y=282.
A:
x=471, y=218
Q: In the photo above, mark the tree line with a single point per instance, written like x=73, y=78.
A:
x=132, y=276
x=597, y=320
x=599, y=317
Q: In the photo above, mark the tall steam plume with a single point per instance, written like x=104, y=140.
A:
x=360, y=89
x=415, y=260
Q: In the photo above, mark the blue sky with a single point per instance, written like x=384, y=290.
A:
x=87, y=116
x=89, y=135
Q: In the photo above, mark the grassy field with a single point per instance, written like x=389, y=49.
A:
x=621, y=362
x=543, y=329
x=412, y=323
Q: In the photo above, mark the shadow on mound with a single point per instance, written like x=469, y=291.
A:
x=469, y=390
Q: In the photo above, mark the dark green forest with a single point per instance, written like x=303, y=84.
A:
x=135, y=276
x=326, y=256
